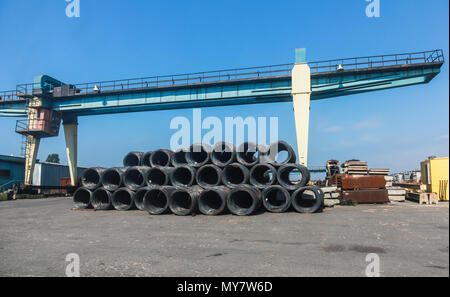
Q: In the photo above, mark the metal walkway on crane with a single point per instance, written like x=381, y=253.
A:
x=265, y=84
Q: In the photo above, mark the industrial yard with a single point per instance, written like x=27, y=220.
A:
x=411, y=240
x=228, y=143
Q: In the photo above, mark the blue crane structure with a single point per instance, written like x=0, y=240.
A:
x=47, y=101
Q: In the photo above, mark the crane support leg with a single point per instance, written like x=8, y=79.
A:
x=33, y=142
x=71, y=135
x=30, y=158
x=301, y=95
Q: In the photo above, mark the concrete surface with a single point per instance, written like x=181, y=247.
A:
x=36, y=236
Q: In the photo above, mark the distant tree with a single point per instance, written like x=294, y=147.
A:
x=53, y=158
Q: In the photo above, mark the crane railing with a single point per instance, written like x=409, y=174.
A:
x=371, y=62
x=358, y=63
x=185, y=79
x=8, y=95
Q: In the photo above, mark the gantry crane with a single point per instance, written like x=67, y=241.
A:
x=48, y=101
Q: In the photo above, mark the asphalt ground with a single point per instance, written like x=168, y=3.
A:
x=37, y=235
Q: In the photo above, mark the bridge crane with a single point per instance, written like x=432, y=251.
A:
x=47, y=101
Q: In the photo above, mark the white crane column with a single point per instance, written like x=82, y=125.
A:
x=301, y=95
x=71, y=135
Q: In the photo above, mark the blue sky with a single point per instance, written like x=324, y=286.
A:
x=125, y=39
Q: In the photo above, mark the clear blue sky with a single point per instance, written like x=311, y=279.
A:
x=125, y=39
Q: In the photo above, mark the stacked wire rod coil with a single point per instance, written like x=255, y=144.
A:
x=203, y=179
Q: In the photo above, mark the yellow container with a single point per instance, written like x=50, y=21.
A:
x=434, y=174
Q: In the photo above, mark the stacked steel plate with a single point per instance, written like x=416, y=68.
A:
x=210, y=180
x=361, y=189
x=374, y=171
x=355, y=167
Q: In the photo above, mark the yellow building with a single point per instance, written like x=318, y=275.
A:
x=434, y=173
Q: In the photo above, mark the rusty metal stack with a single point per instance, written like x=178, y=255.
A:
x=361, y=189
x=348, y=182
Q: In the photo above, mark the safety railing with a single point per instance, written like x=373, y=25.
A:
x=22, y=91
x=37, y=124
x=371, y=62
x=8, y=95
x=41, y=127
x=185, y=79
x=9, y=185
x=25, y=89
x=22, y=125
x=359, y=63
x=260, y=72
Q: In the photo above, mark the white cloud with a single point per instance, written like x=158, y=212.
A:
x=333, y=129
x=443, y=137
x=366, y=124
x=370, y=138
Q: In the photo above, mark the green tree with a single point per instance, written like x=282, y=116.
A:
x=53, y=158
